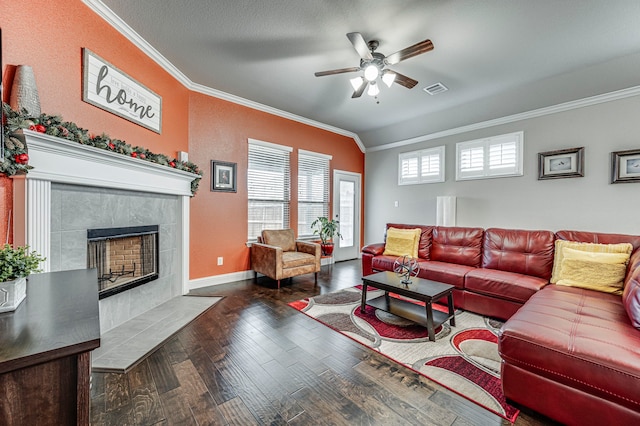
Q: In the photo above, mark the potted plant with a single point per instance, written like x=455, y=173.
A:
x=326, y=229
x=15, y=265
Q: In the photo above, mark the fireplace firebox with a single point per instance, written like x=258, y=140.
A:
x=124, y=257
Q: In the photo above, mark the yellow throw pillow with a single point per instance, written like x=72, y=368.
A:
x=594, y=271
x=402, y=242
x=588, y=247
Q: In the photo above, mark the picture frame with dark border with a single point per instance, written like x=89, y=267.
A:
x=625, y=166
x=223, y=176
x=562, y=163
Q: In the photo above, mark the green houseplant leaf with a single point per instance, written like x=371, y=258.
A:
x=18, y=262
x=326, y=229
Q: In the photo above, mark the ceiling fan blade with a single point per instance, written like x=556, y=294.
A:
x=410, y=52
x=360, y=45
x=338, y=71
x=403, y=80
x=360, y=90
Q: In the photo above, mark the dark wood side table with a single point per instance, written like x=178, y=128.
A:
x=45, y=347
x=420, y=289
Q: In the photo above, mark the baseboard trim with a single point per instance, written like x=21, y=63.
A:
x=327, y=261
x=220, y=279
x=235, y=276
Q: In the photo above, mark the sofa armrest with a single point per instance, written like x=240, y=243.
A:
x=266, y=260
x=374, y=249
x=310, y=248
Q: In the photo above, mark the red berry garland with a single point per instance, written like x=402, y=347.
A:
x=21, y=158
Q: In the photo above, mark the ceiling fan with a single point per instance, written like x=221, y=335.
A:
x=374, y=64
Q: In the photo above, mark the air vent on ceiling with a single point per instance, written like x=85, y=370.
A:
x=434, y=89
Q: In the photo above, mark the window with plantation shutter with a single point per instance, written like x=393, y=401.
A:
x=269, y=188
x=498, y=156
x=425, y=166
x=313, y=189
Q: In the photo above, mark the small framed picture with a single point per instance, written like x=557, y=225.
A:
x=223, y=176
x=625, y=166
x=563, y=163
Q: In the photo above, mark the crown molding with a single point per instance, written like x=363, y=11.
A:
x=195, y=87
x=123, y=28
x=554, y=109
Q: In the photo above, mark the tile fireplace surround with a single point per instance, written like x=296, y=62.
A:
x=74, y=187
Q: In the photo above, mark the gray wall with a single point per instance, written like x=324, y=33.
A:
x=74, y=209
x=588, y=203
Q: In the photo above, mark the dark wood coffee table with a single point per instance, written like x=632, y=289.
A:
x=420, y=289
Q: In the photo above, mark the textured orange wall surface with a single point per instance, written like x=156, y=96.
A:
x=49, y=36
x=219, y=130
x=5, y=208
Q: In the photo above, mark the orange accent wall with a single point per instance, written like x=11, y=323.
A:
x=50, y=36
x=6, y=195
x=219, y=130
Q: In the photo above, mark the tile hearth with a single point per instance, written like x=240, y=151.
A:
x=123, y=347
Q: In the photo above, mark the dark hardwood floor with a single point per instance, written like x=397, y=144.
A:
x=253, y=360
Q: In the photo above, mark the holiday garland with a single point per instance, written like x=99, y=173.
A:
x=17, y=158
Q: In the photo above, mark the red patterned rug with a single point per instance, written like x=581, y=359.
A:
x=463, y=358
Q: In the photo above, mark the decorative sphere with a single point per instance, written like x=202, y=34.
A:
x=406, y=267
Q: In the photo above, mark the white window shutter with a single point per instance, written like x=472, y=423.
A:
x=498, y=156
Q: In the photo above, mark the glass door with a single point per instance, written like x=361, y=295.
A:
x=346, y=209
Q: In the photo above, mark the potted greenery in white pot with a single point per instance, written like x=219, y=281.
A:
x=326, y=229
x=15, y=265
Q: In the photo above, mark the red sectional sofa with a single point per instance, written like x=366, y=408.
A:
x=494, y=271
x=569, y=353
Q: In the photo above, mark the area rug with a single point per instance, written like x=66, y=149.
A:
x=463, y=358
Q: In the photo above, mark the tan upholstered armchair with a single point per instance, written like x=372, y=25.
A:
x=278, y=255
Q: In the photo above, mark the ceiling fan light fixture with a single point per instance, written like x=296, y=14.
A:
x=356, y=82
x=371, y=72
x=388, y=78
x=373, y=89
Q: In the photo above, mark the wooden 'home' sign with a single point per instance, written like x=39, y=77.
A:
x=106, y=87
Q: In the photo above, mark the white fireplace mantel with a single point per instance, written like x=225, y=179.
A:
x=59, y=160
x=62, y=161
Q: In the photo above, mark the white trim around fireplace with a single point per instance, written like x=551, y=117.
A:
x=61, y=161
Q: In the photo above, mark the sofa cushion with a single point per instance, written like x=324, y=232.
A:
x=595, y=271
x=425, y=237
x=402, y=242
x=283, y=238
x=599, y=237
x=448, y=273
x=580, y=338
x=503, y=285
x=631, y=297
x=462, y=246
x=560, y=245
x=294, y=259
x=519, y=251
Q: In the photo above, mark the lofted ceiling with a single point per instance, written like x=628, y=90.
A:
x=497, y=57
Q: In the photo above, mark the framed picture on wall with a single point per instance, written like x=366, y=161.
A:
x=562, y=163
x=625, y=166
x=223, y=176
